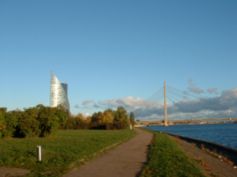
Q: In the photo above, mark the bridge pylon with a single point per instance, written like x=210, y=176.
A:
x=165, y=107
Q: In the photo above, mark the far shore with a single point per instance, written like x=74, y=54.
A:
x=144, y=123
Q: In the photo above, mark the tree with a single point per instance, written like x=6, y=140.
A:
x=27, y=125
x=108, y=119
x=11, y=123
x=121, y=120
x=132, y=119
x=48, y=121
x=96, y=121
x=35, y=121
x=82, y=122
x=62, y=115
x=2, y=121
x=70, y=123
x=77, y=122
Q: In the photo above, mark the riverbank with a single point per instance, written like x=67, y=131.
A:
x=171, y=156
x=166, y=159
x=212, y=164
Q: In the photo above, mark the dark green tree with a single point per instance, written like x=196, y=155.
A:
x=62, y=115
x=27, y=125
x=3, y=112
x=11, y=122
x=96, y=121
x=48, y=121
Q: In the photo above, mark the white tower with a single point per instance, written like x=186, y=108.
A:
x=58, y=93
x=165, y=107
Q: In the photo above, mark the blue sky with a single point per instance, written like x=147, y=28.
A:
x=111, y=49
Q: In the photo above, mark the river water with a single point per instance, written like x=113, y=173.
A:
x=224, y=134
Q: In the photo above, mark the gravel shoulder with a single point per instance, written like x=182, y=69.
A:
x=211, y=165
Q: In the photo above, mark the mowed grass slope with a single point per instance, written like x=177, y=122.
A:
x=166, y=159
x=61, y=151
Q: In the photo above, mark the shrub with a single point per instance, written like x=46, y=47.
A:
x=36, y=121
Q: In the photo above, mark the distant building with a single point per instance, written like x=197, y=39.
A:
x=58, y=93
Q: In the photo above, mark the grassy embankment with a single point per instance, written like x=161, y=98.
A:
x=166, y=159
x=61, y=151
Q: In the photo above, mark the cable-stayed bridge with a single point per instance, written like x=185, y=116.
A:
x=177, y=106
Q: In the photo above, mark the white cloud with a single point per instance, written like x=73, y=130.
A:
x=129, y=102
x=219, y=106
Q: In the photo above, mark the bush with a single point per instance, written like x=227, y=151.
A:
x=36, y=121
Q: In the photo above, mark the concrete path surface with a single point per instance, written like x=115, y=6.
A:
x=12, y=172
x=126, y=160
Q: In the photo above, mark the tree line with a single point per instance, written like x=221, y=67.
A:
x=41, y=121
x=108, y=120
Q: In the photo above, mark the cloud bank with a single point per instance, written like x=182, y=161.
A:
x=219, y=106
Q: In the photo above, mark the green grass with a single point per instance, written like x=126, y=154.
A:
x=61, y=151
x=166, y=159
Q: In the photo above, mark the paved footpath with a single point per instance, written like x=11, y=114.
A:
x=126, y=160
